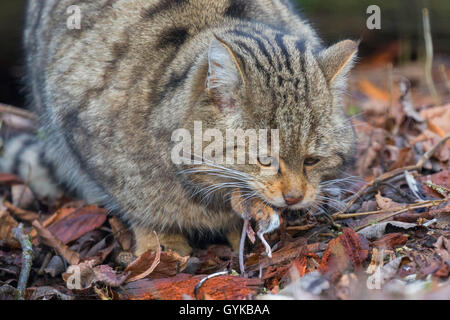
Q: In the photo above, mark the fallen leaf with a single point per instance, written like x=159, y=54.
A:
x=391, y=241
x=440, y=179
x=384, y=203
x=78, y=223
x=85, y=274
x=372, y=91
x=377, y=230
x=50, y=240
x=170, y=264
x=405, y=158
x=442, y=246
x=384, y=273
x=7, y=224
x=429, y=139
x=285, y=255
x=22, y=214
x=145, y=256
x=348, y=250
x=55, y=267
x=438, y=120
x=121, y=233
x=58, y=215
x=47, y=293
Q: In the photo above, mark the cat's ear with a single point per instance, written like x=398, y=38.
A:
x=224, y=73
x=337, y=61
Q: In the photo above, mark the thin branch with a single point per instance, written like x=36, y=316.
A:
x=433, y=203
x=394, y=173
x=27, y=260
x=21, y=213
x=424, y=204
x=429, y=57
x=200, y=284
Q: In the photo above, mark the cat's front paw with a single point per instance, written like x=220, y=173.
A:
x=146, y=240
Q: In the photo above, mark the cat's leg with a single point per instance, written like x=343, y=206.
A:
x=145, y=240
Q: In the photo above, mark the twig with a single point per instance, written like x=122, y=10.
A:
x=18, y=112
x=424, y=204
x=199, y=285
x=50, y=240
x=429, y=56
x=27, y=260
x=21, y=213
x=394, y=173
x=429, y=204
x=300, y=228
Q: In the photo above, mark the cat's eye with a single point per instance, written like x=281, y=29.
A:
x=265, y=161
x=311, y=161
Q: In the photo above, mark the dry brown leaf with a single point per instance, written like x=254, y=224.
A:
x=385, y=203
x=384, y=273
x=134, y=265
x=78, y=223
x=170, y=264
x=58, y=215
x=391, y=241
x=7, y=224
x=85, y=274
x=438, y=120
x=347, y=250
x=50, y=240
x=22, y=214
x=429, y=139
x=377, y=230
x=440, y=179
x=442, y=246
x=405, y=158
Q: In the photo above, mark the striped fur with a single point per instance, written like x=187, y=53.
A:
x=111, y=94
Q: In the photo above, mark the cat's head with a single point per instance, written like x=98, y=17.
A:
x=276, y=82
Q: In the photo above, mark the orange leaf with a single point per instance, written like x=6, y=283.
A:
x=372, y=91
x=78, y=223
x=348, y=250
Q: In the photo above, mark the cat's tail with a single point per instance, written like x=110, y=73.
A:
x=24, y=156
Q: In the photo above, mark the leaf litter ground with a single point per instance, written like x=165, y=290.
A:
x=382, y=234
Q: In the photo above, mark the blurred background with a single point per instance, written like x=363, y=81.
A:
x=399, y=41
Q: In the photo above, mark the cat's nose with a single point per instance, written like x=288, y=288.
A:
x=292, y=199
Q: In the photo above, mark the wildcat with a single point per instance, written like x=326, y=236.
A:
x=111, y=93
